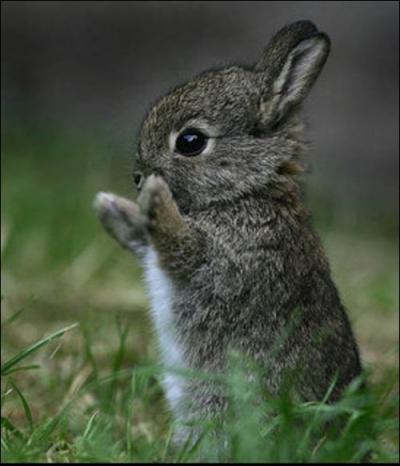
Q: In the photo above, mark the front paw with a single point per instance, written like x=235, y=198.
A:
x=154, y=197
x=121, y=218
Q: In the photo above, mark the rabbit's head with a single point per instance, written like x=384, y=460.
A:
x=233, y=132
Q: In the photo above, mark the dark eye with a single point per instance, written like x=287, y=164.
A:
x=191, y=142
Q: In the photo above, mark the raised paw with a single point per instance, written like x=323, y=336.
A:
x=154, y=197
x=122, y=219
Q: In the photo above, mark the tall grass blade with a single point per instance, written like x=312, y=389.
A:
x=23, y=368
x=5, y=368
x=13, y=317
x=25, y=404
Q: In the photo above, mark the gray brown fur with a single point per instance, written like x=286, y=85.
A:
x=230, y=230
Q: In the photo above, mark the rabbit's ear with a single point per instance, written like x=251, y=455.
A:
x=289, y=67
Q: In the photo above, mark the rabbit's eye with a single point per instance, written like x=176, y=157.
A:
x=191, y=142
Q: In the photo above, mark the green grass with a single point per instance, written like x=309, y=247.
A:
x=94, y=393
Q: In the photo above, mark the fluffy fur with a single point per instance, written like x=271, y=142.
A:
x=228, y=245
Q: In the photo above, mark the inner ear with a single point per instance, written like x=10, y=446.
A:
x=300, y=71
x=288, y=88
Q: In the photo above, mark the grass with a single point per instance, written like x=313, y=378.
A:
x=94, y=393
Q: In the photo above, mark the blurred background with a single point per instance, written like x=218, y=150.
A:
x=77, y=79
x=104, y=63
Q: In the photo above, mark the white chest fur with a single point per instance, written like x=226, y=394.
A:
x=161, y=292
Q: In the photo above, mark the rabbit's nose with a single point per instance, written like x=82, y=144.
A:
x=138, y=179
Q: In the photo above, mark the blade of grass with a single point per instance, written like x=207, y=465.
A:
x=43, y=433
x=184, y=450
x=9, y=427
x=88, y=429
x=315, y=419
x=5, y=368
x=13, y=316
x=167, y=446
x=23, y=368
x=118, y=359
x=27, y=410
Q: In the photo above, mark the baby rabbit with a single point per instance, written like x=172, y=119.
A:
x=229, y=252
